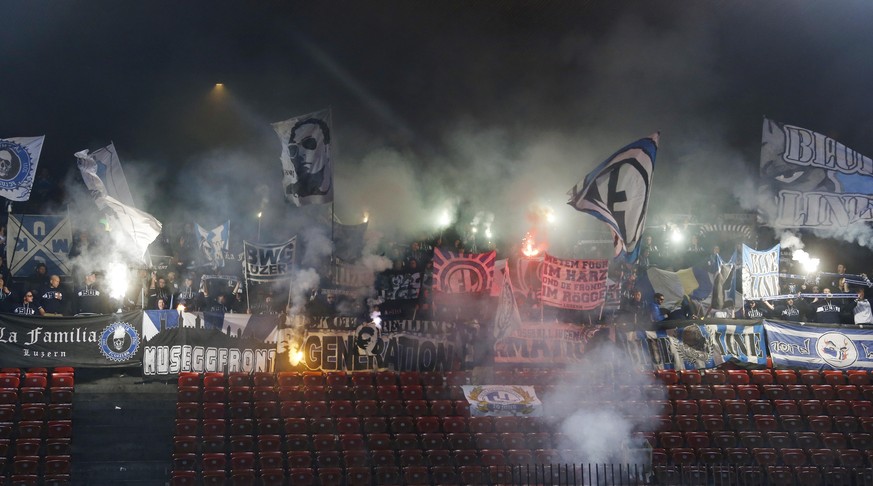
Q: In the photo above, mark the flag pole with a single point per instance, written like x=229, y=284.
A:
x=246, y=278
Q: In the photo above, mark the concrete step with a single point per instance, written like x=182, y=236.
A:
x=139, y=472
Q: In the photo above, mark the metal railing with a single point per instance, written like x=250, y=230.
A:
x=690, y=475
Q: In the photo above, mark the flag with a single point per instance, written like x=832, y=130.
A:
x=18, y=160
x=694, y=282
x=506, y=318
x=617, y=192
x=269, y=262
x=760, y=276
x=307, y=167
x=111, y=174
x=724, y=285
x=462, y=273
x=139, y=227
x=35, y=239
x=810, y=180
x=213, y=243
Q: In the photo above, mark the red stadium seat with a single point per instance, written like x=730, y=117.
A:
x=461, y=440
x=822, y=457
x=848, y=392
x=738, y=407
x=798, y=392
x=710, y=407
x=738, y=377
x=858, y=377
x=765, y=456
x=383, y=458
x=685, y=407
x=480, y=424
x=811, y=407
x=751, y=440
x=836, y=408
x=786, y=407
x=264, y=378
x=748, y=392
x=823, y=392
x=303, y=476
x=760, y=377
x=213, y=461
x=313, y=378
x=697, y=440
x=723, y=438
x=786, y=377
x=792, y=423
x=778, y=439
x=820, y=423
x=386, y=378
x=367, y=408
x=713, y=377
x=375, y=424
x=427, y=424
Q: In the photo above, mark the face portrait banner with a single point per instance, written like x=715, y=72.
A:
x=307, y=167
x=809, y=180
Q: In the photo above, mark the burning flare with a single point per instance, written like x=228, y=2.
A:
x=529, y=247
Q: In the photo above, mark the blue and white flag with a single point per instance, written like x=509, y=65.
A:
x=18, y=160
x=108, y=169
x=35, y=239
x=806, y=346
x=760, y=273
x=138, y=228
x=307, y=167
x=810, y=180
x=213, y=243
x=617, y=192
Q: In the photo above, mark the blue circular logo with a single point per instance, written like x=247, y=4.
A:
x=119, y=341
x=14, y=164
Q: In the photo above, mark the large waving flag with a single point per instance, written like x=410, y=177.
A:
x=307, y=167
x=213, y=243
x=617, y=192
x=18, y=160
x=139, y=227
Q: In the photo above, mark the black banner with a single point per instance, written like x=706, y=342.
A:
x=106, y=341
x=201, y=350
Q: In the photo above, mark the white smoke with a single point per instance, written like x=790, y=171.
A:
x=603, y=406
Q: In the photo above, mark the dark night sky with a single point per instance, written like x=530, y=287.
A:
x=494, y=106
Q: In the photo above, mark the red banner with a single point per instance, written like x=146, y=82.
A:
x=574, y=284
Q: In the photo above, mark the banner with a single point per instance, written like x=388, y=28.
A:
x=19, y=158
x=208, y=342
x=307, y=167
x=548, y=343
x=813, y=181
x=343, y=343
x=697, y=346
x=213, y=243
x=34, y=239
x=463, y=272
x=332, y=351
x=814, y=347
x=395, y=285
x=760, y=273
x=503, y=400
x=574, y=284
x=617, y=192
x=265, y=263
x=104, y=341
x=352, y=275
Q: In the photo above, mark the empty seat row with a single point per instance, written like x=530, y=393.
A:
x=744, y=422
x=711, y=406
x=763, y=456
x=764, y=377
x=753, y=439
x=755, y=392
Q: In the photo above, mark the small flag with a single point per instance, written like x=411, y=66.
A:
x=18, y=160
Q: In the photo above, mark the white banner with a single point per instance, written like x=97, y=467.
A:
x=760, y=273
x=499, y=400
